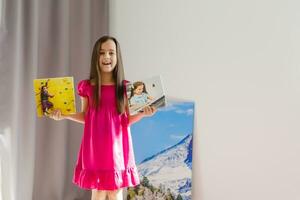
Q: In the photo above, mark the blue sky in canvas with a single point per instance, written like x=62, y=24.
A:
x=166, y=128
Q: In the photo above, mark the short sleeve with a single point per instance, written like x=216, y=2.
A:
x=82, y=88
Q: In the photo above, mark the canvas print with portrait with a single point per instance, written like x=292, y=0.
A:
x=54, y=93
x=142, y=93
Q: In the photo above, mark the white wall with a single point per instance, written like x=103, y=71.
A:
x=239, y=61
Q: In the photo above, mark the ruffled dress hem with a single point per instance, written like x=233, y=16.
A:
x=106, y=180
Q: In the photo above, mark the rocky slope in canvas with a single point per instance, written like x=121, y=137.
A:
x=170, y=170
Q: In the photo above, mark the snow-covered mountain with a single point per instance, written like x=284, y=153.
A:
x=171, y=168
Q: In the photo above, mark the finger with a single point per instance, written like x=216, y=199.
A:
x=54, y=112
x=59, y=114
x=145, y=110
x=153, y=109
x=148, y=110
x=50, y=115
x=53, y=115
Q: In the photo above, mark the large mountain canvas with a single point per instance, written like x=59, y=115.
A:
x=163, y=147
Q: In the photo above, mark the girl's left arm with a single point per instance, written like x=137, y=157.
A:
x=147, y=112
x=135, y=118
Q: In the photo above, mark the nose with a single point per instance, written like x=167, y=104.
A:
x=106, y=55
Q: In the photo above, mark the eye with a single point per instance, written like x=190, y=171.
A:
x=111, y=53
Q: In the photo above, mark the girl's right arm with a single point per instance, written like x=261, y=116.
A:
x=77, y=117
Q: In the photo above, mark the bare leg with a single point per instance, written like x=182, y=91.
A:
x=99, y=194
x=115, y=194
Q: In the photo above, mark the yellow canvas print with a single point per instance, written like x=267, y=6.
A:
x=54, y=93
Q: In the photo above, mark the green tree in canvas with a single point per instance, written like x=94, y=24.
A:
x=145, y=182
x=179, y=197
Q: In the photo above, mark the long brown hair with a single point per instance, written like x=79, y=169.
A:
x=118, y=74
x=136, y=85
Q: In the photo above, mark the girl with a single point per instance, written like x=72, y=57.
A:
x=106, y=161
x=46, y=104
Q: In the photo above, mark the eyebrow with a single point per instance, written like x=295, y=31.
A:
x=108, y=50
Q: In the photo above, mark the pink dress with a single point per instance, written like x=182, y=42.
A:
x=106, y=158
